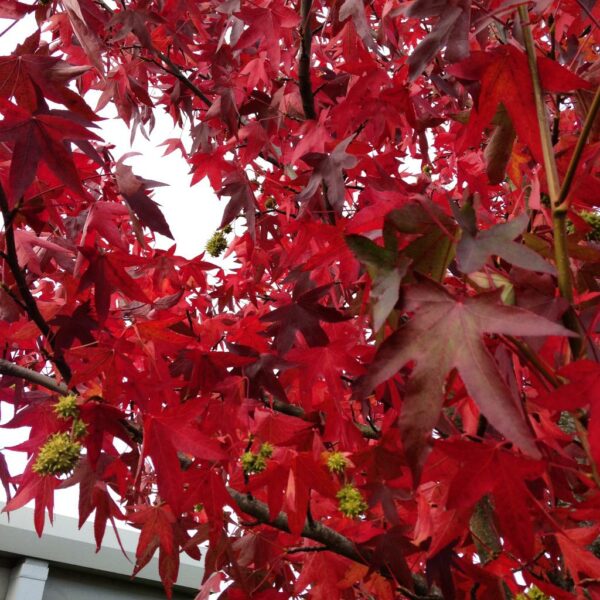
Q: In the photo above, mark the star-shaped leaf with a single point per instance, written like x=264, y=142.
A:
x=24, y=76
x=473, y=250
x=135, y=191
x=329, y=169
x=505, y=78
x=302, y=315
x=446, y=333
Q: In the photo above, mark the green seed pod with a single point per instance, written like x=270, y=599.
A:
x=216, y=244
x=66, y=407
x=351, y=502
x=79, y=429
x=336, y=462
x=266, y=450
x=255, y=463
x=58, y=455
x=592, y=218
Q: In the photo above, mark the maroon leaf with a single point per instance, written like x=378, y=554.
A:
x=446, y=333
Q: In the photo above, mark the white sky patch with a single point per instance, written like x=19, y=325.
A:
x=193, y=215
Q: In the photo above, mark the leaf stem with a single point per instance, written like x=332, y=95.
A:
x=540, y=107
x=534, y=360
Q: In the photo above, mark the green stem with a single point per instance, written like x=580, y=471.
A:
x=581, y=141
x=559, y=216
x=540, y=108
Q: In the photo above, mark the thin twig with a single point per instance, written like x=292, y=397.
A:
x=174, y=70
x=27, y=297
x=368, y=431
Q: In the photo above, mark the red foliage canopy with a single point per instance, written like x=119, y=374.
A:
x=394, y=391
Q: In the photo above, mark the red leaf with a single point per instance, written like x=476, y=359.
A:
x=157, y=523
x=134, y=189
x=12, y=9
x=304, y=315
x=25, y=76
x=505, y=79
x=446, y=333
x=41, y=136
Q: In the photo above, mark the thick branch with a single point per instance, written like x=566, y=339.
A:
x=304, y=83
x=28, y=300
x=329, y=538
x=13, y=370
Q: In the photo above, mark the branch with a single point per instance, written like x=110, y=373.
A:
x=292, y=410
x=327, y=537
x=28, y=300
x=306, y=91
x=177, y=72
x=302, y=549
x=13, y=370
x=330, y=539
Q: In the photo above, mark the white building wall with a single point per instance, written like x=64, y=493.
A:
x=63, y=564
x=64, y=584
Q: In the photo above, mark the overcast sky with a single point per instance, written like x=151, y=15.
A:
x=193, y=213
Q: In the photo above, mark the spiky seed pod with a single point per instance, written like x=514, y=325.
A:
x=592, y=218
x=351, y=502
x=256, y=462
x=79, y=429
x=266, y=450
x=58, y=455
x=66, y=407
x=336, y=462
x=216, y=244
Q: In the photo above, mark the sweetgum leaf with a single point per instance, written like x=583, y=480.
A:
x=473, y=251
x=451, y=30
x=303, y=315
x=505, y=79
x=446, y=333
x=134, y=190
